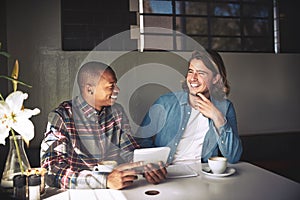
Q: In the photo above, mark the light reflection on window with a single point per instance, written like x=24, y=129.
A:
x=158, y=6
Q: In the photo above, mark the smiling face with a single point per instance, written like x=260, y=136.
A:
x=98, y=84
x=199, y=78
x=106, y=91
x=99, y=87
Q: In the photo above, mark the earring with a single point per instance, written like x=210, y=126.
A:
x=90, y=91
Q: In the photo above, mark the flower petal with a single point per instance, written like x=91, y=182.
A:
x=15, y=100
x=27, y=113
x=4, y=108
x=24, y=127
x=4, y=133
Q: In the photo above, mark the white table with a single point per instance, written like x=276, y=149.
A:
x=248, y=182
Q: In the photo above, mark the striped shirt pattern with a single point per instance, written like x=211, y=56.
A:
x=78, y=137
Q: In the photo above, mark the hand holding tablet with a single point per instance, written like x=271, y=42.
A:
x=154, y=160
x=157, y=154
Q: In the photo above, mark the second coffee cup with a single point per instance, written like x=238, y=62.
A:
x=217, y=165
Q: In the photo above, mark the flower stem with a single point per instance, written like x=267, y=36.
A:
x=18, y=151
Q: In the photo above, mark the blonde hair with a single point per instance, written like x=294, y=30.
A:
x=222, y=70
x=213, y=61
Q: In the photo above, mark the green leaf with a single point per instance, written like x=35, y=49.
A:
x=4, y=54
x=11, y=79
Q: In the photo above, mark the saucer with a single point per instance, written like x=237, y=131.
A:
x=229, y=171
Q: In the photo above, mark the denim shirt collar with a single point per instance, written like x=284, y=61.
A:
x=183, y=98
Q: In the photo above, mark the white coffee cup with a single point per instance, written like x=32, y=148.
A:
x=105, y=166
x=217, y=165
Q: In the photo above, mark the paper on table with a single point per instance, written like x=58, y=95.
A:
x=79, y=194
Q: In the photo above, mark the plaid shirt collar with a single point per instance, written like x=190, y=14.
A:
x=88, y=111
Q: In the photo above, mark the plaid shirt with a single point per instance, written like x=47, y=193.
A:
x=78, y=137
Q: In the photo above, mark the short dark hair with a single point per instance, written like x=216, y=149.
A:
x=90, y=72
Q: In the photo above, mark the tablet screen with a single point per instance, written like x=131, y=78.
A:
x=151, y=155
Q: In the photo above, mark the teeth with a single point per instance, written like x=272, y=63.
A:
x=194, y=85
x=113, y=96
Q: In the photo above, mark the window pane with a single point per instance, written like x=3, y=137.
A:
x=189, y=43
x=181, y=43
x=256, y=27
x=226, y=44
x=258, y=1
x=196, y=25
x=225, y=9
x=259, y=44
x=225, y=27
x=191, y=25
x=256, y=11
x=191, y=8
x=158, y=6
x=158, y=21
x=203, y=41
x=164, y=42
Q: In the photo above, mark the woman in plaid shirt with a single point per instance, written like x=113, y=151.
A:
x=89, y=129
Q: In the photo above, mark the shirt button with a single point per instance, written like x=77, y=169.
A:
x=176, y=144
x=182, y=128
x=222, y=142
x=189, y=113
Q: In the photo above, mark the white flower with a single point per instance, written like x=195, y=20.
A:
x=14, y=116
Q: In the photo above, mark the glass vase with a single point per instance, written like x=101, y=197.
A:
x=12, y=165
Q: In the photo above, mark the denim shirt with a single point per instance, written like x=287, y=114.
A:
x=166, y=120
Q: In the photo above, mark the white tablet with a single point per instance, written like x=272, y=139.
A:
x=151, y=155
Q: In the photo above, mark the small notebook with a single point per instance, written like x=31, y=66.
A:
x=180, y=171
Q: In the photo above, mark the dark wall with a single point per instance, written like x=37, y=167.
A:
x=3, y=60
x=289, y=20
x=85, y=24
x=3, y=71
x=278, y=153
